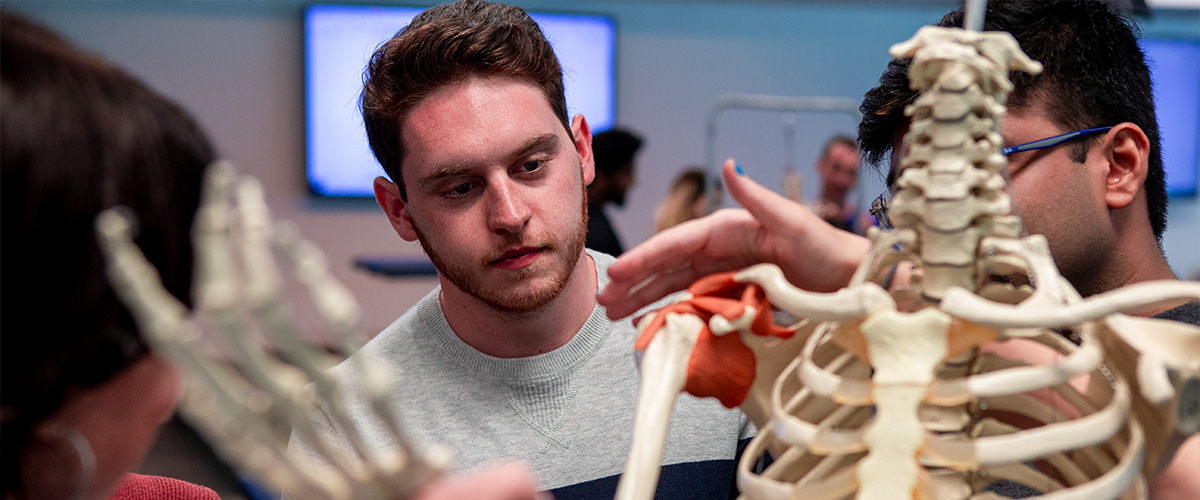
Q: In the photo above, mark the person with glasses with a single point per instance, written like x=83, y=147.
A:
x=882, y=203
x=1084, y=163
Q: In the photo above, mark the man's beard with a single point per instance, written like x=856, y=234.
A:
x=463, y=274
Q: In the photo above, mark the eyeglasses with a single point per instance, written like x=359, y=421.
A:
x=879, y=210
x=881, y=204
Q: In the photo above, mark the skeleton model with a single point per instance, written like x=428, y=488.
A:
x=245, y=399
x=902, y=393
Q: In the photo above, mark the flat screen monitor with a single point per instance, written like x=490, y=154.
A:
x=338, y=42
x=1175, y=71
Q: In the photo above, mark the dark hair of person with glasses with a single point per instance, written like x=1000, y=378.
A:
x=1094, y=76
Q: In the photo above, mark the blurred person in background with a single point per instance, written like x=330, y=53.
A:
x=687, y=199
x=838, y=170
x=615, y=151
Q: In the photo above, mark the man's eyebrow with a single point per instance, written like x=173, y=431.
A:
x=545, y=142
x=443, y=172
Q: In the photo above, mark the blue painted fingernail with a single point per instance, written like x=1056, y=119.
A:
x=738, y=166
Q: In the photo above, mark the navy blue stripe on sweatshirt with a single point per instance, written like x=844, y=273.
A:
x=705, y=480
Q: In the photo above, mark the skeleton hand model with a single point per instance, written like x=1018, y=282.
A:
x=903, y=393
x=246, y=400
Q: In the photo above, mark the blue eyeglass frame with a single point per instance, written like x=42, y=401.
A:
x=881, y=204
x=1051, y=141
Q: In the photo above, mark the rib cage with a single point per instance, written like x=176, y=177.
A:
x=907, y=412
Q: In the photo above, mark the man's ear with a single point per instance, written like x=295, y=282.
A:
x=1126, y=149
x=387, y=194
x=583, y=146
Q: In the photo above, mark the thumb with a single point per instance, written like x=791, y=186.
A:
x=770, y=208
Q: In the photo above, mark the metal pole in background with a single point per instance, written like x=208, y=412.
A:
x=768, y=103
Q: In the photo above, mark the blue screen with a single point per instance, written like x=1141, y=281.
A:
x=338, y=42
x=1175, y=71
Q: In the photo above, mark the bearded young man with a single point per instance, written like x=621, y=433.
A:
x=510, y=356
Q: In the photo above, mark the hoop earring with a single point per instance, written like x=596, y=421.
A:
x=58, y=463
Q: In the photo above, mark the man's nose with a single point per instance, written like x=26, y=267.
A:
x=507, y=211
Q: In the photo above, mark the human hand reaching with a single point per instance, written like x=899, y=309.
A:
x=770, y=229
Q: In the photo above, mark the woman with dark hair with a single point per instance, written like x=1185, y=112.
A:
x=82, y=396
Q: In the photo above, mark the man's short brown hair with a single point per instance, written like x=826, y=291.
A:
x=446, y=45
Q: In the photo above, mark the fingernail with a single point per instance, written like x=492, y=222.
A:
x=738, y=166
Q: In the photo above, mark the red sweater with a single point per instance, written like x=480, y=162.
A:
x=139, y=487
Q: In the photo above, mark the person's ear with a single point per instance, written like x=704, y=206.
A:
x=387, y=194
x=1126, y=150
x=583, y=146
